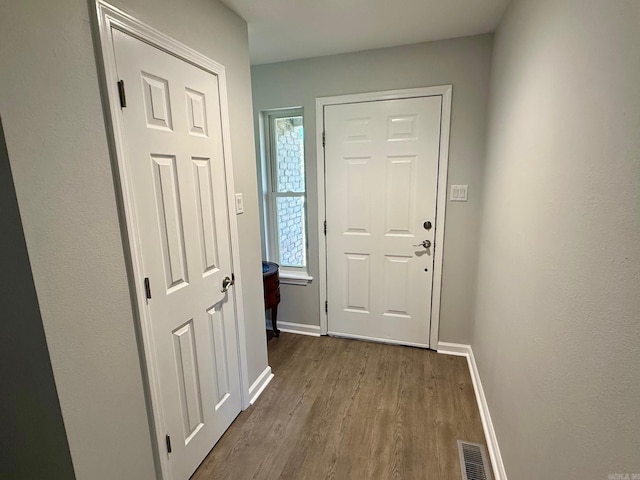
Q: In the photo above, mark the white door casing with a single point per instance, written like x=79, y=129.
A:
x=173, y=150
x=384, y=172
x=109, y=20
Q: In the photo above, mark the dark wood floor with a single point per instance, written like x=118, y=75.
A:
x=346, y=409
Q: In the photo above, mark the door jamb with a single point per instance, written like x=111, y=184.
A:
x=108, y=18
x=441, y=200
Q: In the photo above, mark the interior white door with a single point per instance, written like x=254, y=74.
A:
x=381, y=170
x=174, y=157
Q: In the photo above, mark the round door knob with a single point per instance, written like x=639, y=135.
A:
x=226, y=283
x=425, y=244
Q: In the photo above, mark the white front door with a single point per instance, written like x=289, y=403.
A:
x=381, y=171
x=174, y=158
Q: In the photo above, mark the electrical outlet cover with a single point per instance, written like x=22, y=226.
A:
x=239, y=204
x=459, y=193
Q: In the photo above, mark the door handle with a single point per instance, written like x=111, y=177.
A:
x=425, y=244
x=226, y=283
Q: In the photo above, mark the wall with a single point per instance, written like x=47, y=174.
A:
x=31, y=420
x=558, y=308
x=462, y=62
x=56, y=137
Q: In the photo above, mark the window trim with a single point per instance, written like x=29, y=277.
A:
x=288, y=274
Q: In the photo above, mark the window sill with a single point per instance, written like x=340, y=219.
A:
x=289, y=278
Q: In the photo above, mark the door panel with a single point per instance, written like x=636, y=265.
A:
x=400, y=196
x=169, y=213
x=357, y=290
x=174, y=159
x=381, y=168
x=358, y=196
x=220, y=355
x=397, y=284
x=206, y=214
x=188, y=379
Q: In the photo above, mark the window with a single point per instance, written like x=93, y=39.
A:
x=285, y=193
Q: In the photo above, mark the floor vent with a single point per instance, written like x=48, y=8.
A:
x=473, y=461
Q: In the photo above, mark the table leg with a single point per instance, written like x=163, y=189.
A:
x=274, y=320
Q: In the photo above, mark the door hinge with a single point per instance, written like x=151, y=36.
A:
x=147, y=287
x=168, y=440
x=325, y=227
x=326, y=306
x=324, y=138
x=121, y=94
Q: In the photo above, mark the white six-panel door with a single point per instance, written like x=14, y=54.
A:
x=381, y=175
x=174, y=156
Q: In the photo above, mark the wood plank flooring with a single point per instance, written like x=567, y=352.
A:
x=345, y=409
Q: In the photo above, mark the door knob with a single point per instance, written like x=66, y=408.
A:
x=425, y=244
x=226, y=283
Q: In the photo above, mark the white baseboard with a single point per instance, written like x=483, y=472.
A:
x=489, y=432
x=260, y=384
x=299, y=328
x=457, y=349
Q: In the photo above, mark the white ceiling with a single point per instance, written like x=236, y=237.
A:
x=290, y=29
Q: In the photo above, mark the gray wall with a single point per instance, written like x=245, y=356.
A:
x=462, y=62
x=31, y=420
x=55, y=133
x=557, y=321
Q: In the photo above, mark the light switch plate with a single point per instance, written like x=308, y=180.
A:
x=459, y=193
x=239, y=204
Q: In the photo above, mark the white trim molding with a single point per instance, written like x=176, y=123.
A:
x=444, y=91
x=290, y=278
x=270, y=193
x=260, y=384
x=297, y=328
x=462, y=350
x=457, y=349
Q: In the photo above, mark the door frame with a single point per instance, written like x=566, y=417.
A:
x=443, y=91
x=106, y=19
